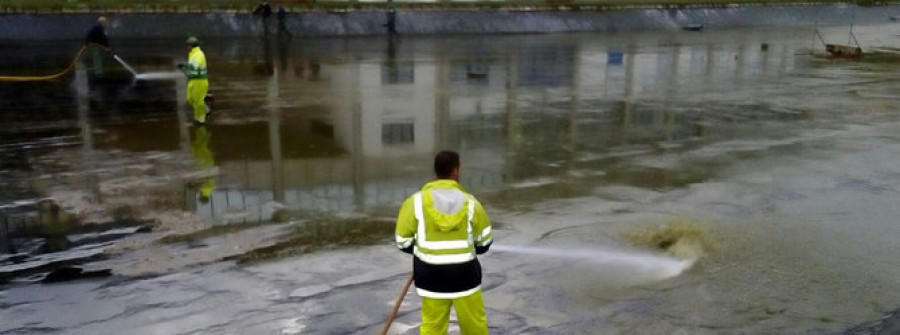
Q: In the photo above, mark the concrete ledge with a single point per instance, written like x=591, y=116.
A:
x=435, y=22
x=67, y=7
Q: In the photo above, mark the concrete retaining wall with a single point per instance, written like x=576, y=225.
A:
x=73, y=26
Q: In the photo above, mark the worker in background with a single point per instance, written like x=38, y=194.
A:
x=97, y=37
x=282, y=22
x=444, y=227
x=198, y=80
x=264, y=11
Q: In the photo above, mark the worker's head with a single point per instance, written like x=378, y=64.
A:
x=102, y=21
x=446, y=165
x=192, y=42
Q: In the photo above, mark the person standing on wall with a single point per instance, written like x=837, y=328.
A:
x=444, y=227
x=97, y=35
x=198, y=80
x=264, y=11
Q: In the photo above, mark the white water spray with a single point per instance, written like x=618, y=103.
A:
x=158, y=75
x=127, y=67
x=659, y=266
x=147, y=76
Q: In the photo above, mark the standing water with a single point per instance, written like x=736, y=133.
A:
x=277, y=216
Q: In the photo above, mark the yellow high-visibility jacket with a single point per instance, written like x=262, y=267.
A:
x=444, y=227
x=196, y=66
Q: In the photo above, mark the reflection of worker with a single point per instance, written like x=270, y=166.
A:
x=282, y=24
x=391, y=24
x=97, y=35
x=393, y=71
x=264, y=10
x=445, y=227
x=284, y=51
x=203, y=157
x=198, y=80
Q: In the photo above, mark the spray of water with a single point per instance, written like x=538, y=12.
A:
x=127, y=67
x=147, y=76
x=158, y=75
x=660, y=266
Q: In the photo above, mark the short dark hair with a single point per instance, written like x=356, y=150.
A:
x=444, y=163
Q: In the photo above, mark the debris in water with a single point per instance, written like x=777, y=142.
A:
x=680, y=237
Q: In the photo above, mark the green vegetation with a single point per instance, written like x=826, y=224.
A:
x=99, y=6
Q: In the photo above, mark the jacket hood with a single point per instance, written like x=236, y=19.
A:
x=445, y=204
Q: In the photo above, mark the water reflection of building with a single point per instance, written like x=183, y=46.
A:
x=361, y=134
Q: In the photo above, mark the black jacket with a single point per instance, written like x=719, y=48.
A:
x=97, y=35
x=264, y=10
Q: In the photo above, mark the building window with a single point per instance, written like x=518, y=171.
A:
x=397, y=133
x=394, y=72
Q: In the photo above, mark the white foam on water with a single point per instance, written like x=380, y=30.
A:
x=157, y=75
x=532, y=183
x=292, y=326
x=658, y=266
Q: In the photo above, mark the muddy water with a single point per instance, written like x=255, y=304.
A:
x=773, y=173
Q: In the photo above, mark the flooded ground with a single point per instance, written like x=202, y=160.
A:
x=772, y=175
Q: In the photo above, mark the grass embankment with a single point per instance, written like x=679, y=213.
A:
x=97, y=6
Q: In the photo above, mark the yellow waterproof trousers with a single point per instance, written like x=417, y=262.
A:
x=196, y=91
x=469, y=313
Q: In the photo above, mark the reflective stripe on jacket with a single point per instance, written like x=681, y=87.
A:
x=196, y=66
x=444, y=227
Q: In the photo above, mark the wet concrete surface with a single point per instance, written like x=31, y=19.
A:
x=773, y=172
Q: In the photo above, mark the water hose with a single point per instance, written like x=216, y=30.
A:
x=390, y=319
x=55, y=75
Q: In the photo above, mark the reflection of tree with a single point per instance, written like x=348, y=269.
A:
x=203, y=158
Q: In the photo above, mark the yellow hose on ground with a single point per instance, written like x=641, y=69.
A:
x=56, y=75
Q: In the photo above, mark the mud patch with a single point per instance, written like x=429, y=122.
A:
x=325, y=233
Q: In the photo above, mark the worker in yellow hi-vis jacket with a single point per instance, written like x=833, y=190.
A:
x=198, y=80
x=444, y=227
